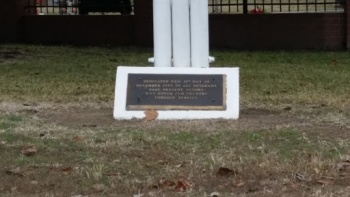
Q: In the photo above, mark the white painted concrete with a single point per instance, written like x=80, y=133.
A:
x=162, y=33
x=181, y=39
x=199, y=33
x=232, y=94
x=181, y=33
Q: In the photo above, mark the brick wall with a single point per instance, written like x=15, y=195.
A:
x=143, y=22
x=252, y=32
x=278, y=31
x=85, y=30
x=11, y=12
x=334, y=31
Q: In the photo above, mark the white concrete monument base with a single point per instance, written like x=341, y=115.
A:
x=231, y=92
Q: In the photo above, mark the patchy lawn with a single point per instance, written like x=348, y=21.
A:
x=58, y=138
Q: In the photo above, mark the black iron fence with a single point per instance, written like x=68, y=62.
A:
x=274, y=6
x=78, y=7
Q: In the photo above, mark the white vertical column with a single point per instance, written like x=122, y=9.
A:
x=162, y=33
x=181, y=33
x=199, y=33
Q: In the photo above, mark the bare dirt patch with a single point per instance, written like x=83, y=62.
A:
x=250, y=119
x=93, y=115
x=80, y=117
x=101, y=115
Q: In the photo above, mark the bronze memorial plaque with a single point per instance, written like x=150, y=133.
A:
x=176, y=92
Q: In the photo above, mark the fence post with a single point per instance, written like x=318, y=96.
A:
x=245, y=6
x=347, y=23
x=11, y=12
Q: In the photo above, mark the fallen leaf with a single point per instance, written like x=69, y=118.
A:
x=67, y=170
x=290, y=185
x=52, y=169
x=15, y=172
x=165, y=183
x=78, y=138
x=63, y=170
x=325, y=181
x=225, y=172
x=239, y=183
x=182, y=185
x=151, y=114
x=215, y=194
x=334, y=62
x=29, y=150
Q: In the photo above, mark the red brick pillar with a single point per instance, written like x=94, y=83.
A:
x=143, y=22
x=347, y=23
x=11, y=12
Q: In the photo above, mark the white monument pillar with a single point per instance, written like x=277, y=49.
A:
x=199, y=33
x=180, y=85
x=162, y=33
x=189, y=33
x=181, y=33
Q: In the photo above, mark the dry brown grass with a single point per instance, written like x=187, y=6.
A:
x=270, y=153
